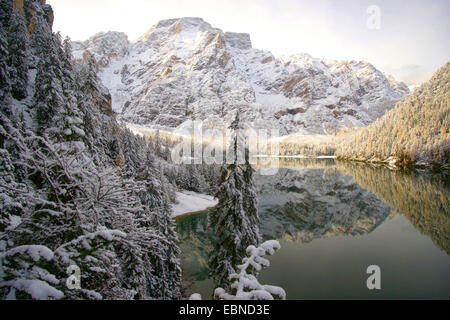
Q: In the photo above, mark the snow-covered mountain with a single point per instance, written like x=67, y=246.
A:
x=184, y=69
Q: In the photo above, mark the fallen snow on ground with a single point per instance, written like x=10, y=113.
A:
x=189, y=201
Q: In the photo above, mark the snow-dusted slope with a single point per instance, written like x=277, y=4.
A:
x=185, y=69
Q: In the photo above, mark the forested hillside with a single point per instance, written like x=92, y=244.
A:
x=415, y=132
x=78, y=192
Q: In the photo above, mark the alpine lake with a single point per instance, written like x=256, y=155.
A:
x=333, y=219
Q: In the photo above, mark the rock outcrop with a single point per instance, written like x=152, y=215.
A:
x=184, y=69
x=32, y=9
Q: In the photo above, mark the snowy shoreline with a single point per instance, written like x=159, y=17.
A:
x=189, y=202
x=296, y=156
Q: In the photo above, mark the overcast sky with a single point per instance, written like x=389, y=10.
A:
x=412, y=40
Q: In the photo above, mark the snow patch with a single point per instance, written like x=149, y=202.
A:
x=189, y=201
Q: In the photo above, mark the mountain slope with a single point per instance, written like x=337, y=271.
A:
x=77, y=190
x=416, y=132
x=185, y=69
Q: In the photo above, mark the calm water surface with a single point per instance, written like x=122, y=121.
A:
x=333, y=220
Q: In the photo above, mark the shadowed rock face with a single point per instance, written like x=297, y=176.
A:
x=184, y=69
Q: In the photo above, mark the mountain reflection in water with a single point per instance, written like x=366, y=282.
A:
x=333, y=220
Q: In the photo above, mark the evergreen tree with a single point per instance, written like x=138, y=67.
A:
x=11, y=191
x=80, y=215
x=48, y=94
x=102, y=133
x=64, y=199
x=5, y=83
x=6, y=7
x=182, y=177
x=235, y=220
x=67, y=124
x=17, y=54
x=167, y=280
x=196, y=181
x=136, y=153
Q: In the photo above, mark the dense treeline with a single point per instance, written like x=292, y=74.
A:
x=415, y=132
x=308, y=149
x=85, y=205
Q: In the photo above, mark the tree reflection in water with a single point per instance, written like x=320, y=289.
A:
x=309, y=199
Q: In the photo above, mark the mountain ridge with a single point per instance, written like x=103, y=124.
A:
x=184, y=69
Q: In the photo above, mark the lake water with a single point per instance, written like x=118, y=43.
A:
x=333, y=220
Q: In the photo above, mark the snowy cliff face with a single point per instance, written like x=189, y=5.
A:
x=184, y=69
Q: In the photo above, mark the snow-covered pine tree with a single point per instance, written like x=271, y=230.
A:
x=182, y=177
x=196, y=181
x=90, y=80
x=166, y=280
x=73, y=206
x=250, y=203
x=91, y=117
x=5, y=83
x=101, y=130
x=152, y=194
x=235, y=219
x=135, y=151
x=5, y=12
x=12, y=192
x=165, y=224
x=67, y=124
x=17, y=54
x=48, y=96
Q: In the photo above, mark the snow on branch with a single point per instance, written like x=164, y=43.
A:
x=35, y=252
x=88, y=244
x=246, y=286
x=37, y=289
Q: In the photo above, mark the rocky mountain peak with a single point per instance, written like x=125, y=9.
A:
x=104, y=46
x=185, y=69
x=173, y=27
x=238, y=40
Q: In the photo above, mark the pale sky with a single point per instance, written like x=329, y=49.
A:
x=411, y=43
